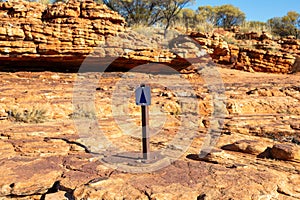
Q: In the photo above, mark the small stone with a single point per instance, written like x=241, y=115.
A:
x=61, y=195
x=246, y=146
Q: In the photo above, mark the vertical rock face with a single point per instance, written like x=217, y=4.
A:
x=64, y=34
x=296, y=66
x=32, y=30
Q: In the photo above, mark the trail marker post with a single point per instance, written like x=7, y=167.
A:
x=143, y=99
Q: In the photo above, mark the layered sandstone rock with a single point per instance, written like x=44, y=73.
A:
x=59, y=29
x=65, y=34
x=252, y=51
x=258, y=147
x=256, y=155
x=285, y=152
x=61, y=36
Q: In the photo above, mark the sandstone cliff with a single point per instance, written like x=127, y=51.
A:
x=59, y=33
x=251, y=51
x=61, y=36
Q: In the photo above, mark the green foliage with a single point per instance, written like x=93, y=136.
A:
x=200, y=20
x=170, y=9
x=136, y=11
x=187, y=17
x=31, y=115
x=148, y=12
x=224, y=16
x=206, y=14
x=286, y=25
x=228, y=16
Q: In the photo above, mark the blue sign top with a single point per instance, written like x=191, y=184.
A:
x=143, y=96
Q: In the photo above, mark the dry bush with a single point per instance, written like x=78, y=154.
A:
x=83, y=112
x=35, y=114
x=255, y=26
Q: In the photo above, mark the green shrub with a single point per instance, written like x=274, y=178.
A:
x=32, y=115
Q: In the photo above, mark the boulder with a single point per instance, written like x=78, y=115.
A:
x=296, y=66
x=285, y=152
x=246, y=146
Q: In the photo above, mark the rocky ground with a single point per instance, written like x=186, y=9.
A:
x=257, y=156
x=216, y=133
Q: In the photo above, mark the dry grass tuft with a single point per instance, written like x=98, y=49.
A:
x=35, y=114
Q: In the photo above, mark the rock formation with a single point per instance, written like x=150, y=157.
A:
x=49, y=143
x=65, y=34
x=252, y=51
x=55, y=33
x=296, y=66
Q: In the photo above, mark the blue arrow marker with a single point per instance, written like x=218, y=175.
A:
x=143, y=98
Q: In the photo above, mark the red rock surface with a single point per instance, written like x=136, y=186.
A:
x=36, y=37
x=65, y=34
x=252, y=51
x=50, y=159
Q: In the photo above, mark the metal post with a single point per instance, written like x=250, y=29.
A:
x=145, y=132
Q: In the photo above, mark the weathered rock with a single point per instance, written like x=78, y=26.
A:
x=50, y=160
x=247, y=36
x=115, y=188
x=252, y=51
x=296, y=66
x=3, y=113
x=285, y=152
x=28, y=176
x=56, y=31
x=246, y=146
x=60, y=10
x=265, y=36
x=66, y=33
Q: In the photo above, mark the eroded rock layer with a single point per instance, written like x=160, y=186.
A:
x=62, y=36
x=257, y=156
x=61, y=33
x=252, y=51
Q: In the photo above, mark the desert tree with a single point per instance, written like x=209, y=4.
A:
x=206, y=14
x=223, y=16
x=144, y=12
x=286, y=25
x=170, y=9
x=228, y=16
x=291, y=20
x=148, y=12
x=188, y=17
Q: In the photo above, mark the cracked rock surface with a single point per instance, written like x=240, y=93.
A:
x=255, y=157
